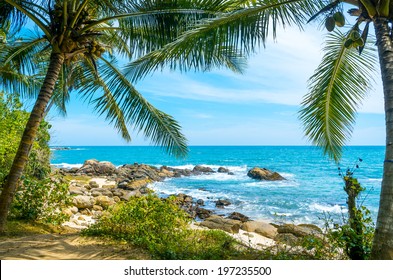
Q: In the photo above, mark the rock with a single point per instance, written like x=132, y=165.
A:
x=134, y=184
x=101, y=191
x=93, y=184
x=299, y=231
x=287, y=238
x=264, y=174
x=203, y=213
x=261, y=228
x=95, y=167
x=223, y=170
x=200, y=202
x=202, y=169
x=97, y=208
x=238, y=216
x=109, y=186
x=221, y=203
x=217, y=222
x=139, y=172
x=74, y=190
x=128, y=194
x=83, y=201
x=104, y=201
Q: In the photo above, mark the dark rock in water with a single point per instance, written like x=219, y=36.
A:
x=239, y=216
x=221, y=203
x=202, y=169
x=200, y=202
x=223, y=170
x=264, y=174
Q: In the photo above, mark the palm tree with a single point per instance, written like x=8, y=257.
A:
x=75, y=49
x=336, y=89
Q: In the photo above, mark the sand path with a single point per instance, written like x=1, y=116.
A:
x=64, y=247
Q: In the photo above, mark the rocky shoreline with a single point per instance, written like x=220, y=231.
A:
x=98, y=185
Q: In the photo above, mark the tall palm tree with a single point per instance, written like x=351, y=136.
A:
x=336, y=89
x=76, y=48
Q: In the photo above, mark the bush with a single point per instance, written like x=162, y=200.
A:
x=161, y=227
x=41, y=200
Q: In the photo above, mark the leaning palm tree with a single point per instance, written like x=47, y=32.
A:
x=336, y=89
x=76, y=49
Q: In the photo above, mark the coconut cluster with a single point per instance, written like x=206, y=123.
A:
x=74, y=42
x=337, y=19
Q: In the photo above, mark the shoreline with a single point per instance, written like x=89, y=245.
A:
x=98, y=185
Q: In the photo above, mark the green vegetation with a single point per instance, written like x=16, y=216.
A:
x=161, y=227
x=38, y=197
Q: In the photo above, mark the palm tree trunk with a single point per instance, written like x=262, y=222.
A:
x=28, y=137
x=383, y=239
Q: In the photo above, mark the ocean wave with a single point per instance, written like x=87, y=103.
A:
x=336, y=209
x=67, y=165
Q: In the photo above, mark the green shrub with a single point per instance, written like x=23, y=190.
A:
x=41, y=200
x=160, y=226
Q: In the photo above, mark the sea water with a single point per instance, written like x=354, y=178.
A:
x=312, y=192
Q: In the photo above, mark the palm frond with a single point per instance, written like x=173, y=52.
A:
x=123, y=105
x=226, y=38
x=336, y=90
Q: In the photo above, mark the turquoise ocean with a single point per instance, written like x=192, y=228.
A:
x=312, y=192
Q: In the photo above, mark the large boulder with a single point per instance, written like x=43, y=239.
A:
x=261, y=228
x=221, y=203
x=95, y=167
x=300, y=230
x=140, y=172
x=238, y=216
x=217, y=222
x=104, y=201
x=83, y=201
x=264, y=174
x=198, y=169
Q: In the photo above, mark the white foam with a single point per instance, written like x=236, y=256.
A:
x=336, y=209
x=67, y=165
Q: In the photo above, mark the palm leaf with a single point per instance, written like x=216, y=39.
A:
x=123, y=105
x=225, y=39
x=336, y=90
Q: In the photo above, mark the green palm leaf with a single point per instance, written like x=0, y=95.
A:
x=113, y=95
x=336, y=90
x=224, y=41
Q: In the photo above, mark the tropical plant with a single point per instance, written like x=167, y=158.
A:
x=75, y=49
x=336, y=89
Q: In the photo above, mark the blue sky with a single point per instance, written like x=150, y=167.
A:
x=223, y=108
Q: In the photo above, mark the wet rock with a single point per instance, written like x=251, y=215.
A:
x=202, y=169
x=223, y=170
x=238, y=216
x=221, y=203
x=203, y=213
x=264, y=174
x=200, y=202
